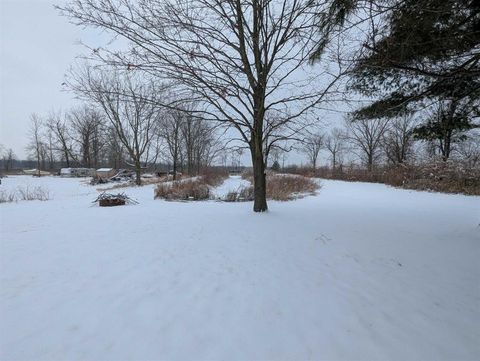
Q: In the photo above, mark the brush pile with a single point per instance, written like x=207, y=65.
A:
x=111, y=200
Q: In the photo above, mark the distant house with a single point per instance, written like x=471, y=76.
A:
x=105, y=173
x=77, y=172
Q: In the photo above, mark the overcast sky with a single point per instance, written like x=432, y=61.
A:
x=36, y=48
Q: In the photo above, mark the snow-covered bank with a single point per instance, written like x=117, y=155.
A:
x=360, y=271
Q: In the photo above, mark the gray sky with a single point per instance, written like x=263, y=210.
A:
x=36, y=48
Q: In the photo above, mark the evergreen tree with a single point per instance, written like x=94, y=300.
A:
x=425, y=50
x=446, y=126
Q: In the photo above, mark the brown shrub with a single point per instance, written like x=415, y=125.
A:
x=439, y=176
x=280, y=187
x=447, y=177
x=303, y=170
x=243, y=194
x=195, y=189
x=214, y=176
x=247, y=174
x=283, y=187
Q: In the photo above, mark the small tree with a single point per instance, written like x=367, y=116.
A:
x=35, y=146
x=170, y=129
x=398, y=140
x=59, y=127
x=366, y=136
x=8, y=159
x=311, y=146
x=276, y=166
x=335, y=144
x=87, y=128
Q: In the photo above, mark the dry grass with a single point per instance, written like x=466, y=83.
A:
x=195, y=189
x=214, y=176
x=436, y=176
x=243, y=194
x=446, y=177
x=8, y=197
x=25, y=194
x=280, y=187
x=283, y=187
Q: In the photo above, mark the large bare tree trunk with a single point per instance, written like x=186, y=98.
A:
x=370, y=162
x=38, y=164
x=174, y=168
x=259, y=177
x=67, y=158
x=138, y=173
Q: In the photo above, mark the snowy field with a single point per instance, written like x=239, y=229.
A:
x=358, y=272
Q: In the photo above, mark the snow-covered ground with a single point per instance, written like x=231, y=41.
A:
x=232, y=184
x=360, y=271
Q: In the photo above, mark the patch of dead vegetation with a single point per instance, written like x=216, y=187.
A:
x=196, y=188
x=280, y=187
x=191, y=189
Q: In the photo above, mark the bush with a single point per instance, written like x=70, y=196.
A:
x=6, y=197
x=195, y=189
x=243, y=194
x=283, y=187
x=247, y=174
x=447, y=177
x=280, y=187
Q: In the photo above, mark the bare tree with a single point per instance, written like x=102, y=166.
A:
x=335, y=144
x=128, y=105
x=468, y=151
x=35, y=146
x=171, y=131
x=57, y=124
x=241, y=59
x=311, y=146
x=398, y=140
x=366, y=136
x=8, y=159
x=87, y=128
x=114, y=150
x=207, y=146
x=50, y=147
x=199, y=140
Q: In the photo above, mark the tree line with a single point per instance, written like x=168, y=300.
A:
x=123, y=133
x=376, y=143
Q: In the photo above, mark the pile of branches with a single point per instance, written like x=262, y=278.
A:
x=115, y=197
